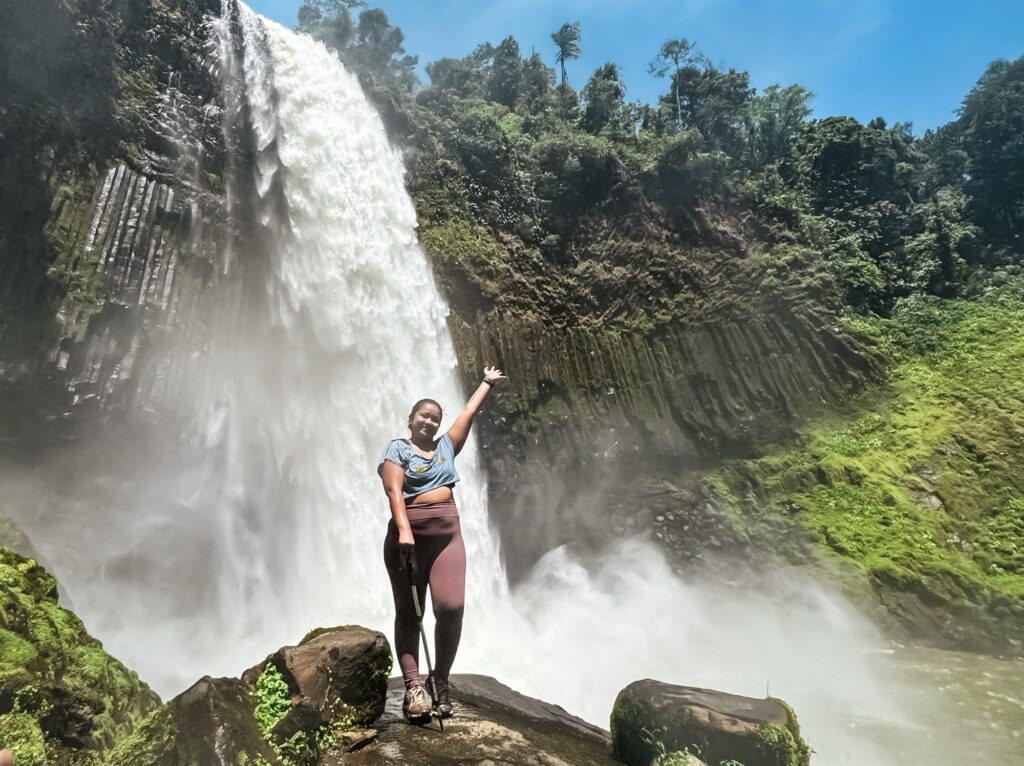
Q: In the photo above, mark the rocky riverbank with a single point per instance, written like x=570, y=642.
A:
x=325, y=702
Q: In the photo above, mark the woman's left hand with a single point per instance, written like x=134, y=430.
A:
x=493, y=373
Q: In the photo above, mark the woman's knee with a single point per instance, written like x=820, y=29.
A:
x=448, y=612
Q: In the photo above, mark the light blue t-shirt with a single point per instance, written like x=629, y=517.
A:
x=422, y=474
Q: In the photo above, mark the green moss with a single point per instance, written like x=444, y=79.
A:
x=273, y=703
x=15, y=650
x=152, y=743
x=920, y=487
x=780, y=743
x=676, y=758
x=49, y=663
x=23, y=737
x=466, y=254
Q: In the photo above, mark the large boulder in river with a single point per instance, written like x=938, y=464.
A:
x=492, y=725
x=651, y=718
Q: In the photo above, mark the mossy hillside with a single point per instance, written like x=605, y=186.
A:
x=920, y=487
x=56, y=681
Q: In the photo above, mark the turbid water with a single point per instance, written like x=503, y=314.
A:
x=201, y=554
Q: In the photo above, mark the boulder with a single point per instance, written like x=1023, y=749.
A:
x=492, y=725
x=288, y=709
x=334, y=676
x=209, y=724
x=654, y=721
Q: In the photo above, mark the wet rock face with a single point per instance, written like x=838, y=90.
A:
x=492, y=724
x=652, y=719
x=111, y=153
x=216, y=717
x=588, y=419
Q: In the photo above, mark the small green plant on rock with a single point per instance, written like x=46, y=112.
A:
x=273, y=701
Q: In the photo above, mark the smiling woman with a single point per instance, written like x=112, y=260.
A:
x=424, y=542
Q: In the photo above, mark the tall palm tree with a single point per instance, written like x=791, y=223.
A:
x=567, y=40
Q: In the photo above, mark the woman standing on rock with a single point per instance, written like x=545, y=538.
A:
x=418, y=475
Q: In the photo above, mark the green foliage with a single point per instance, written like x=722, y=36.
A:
x=988, y=139
x=496, y=144
x=273, y=700
x=505, y=78
x=779, y=742
x=676, y=758
x=273, y=703
x=371, y=45
x=771, y=122
x=458, y=249
x=151, y=743
x=604, y=102
x=671, y=58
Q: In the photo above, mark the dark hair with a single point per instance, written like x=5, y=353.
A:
x=420, y=403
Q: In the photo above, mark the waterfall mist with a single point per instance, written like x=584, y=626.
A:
x=198, y=555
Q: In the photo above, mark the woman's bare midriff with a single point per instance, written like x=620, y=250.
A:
x=439, y=495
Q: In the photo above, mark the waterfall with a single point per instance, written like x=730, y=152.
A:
x=346, y=329
x=268, y=520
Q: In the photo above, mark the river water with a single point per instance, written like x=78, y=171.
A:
x=200, y=558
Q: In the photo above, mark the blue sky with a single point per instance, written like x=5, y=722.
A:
x=905, y=60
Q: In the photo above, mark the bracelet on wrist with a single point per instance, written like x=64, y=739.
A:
x=488, y=382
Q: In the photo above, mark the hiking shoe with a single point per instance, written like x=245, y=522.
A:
x=416, y=705
x=444, y=701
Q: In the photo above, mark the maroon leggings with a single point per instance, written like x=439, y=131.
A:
x=441, y=563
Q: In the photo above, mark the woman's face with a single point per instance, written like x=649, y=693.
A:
x=425, y=421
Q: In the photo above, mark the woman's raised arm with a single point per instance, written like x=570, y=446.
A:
x=460, y=428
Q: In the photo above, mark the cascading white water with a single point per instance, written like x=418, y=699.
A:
x=273, y=523
x=356, y=332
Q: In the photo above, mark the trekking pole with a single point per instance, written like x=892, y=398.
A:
x=432, y=687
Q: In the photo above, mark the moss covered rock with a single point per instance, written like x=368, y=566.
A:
x=334, y=680
x=63, y=699
x=212, y=723
x=287, y=711
x=657, y=721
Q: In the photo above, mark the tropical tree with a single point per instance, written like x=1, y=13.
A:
x=990, y=131
x=604, y=96
x=505, y=79
x=567, y=40
x=673, y=56
x=772, y=120
x=712, y=101
x=538, y=80
x=378, y=48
